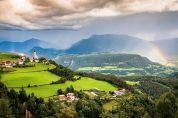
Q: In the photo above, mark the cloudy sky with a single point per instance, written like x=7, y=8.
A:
x=64, y=22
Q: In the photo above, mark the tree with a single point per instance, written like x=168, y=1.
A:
x=106, y=115
x=22, y=95
x=68, y=112
x=88, y=108
x=70, y=89
x=167, y=106
x=59, y=92
x=5, y=110
x=3, y=90
x=14, y=102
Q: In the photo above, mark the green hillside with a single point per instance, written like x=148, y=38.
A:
x=38, y=79
x=8, y=57
x=82, y=84
x=114, y=63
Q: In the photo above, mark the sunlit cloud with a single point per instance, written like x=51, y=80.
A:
x=71, y=14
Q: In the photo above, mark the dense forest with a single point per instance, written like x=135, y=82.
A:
x=16, y=104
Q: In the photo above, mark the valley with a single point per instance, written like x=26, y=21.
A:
x=44, y=82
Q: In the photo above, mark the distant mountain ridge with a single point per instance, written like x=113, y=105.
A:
x=104, y=43
x=116, y=43
x=8, y=46
x=98, y=44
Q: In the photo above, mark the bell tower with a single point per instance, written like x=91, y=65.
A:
x=35, y=57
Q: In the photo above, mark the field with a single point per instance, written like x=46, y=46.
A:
x=132, y=83
x=107, y=68
x=32, y=78
x=110, y=105
x=41, y=78
x=7, y=57
x=82, y=84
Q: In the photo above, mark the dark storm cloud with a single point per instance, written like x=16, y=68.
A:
x=71, y=14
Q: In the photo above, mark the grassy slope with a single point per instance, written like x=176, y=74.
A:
x=37, y=67
x=32, y=78
x=30, y=75
x=82, y=84
x=38, y=76
x=7, y=57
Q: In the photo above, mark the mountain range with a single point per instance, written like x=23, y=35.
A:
x=98, y=44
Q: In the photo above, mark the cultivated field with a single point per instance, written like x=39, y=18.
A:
x=82, y=84
x=28, y=78
x=38, y=80
x=8, y=57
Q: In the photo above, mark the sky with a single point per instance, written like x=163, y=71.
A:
x=64, y=22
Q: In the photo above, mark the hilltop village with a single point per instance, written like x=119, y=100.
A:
x=21, y=61
x=70, y=96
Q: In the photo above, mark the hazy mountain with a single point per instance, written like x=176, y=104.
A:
x=168, y=46
x=115, y=43
x=23, y=47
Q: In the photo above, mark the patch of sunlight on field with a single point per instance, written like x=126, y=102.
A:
x=110, y=105
x=36, y=75
x=107, y=68
x=133, y=83
x=8, y=57
x=32, y=78
x=36, y=67
x=83, y=84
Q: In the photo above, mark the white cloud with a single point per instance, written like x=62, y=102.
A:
x=72, y=14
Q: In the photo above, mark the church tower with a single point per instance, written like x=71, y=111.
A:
x=35, y=57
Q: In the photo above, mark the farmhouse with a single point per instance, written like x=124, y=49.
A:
x=119, y=93
x=23, y=58
x=70, y=97
x=94, y=94
x=20, y=62
x=6, y=64
x=62, y=97
x=45, y=62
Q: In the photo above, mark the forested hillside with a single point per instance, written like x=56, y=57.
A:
x=114, y=63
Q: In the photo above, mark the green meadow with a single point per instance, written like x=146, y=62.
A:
x=132, y=83
x=39, y=80
x=7, y=57
x=35, y=67
x=107, y=68
x=32, y=78
x=82, y=84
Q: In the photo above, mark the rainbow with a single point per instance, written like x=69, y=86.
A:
x=158, y=55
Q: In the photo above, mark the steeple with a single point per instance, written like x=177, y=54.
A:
x=35, y=55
